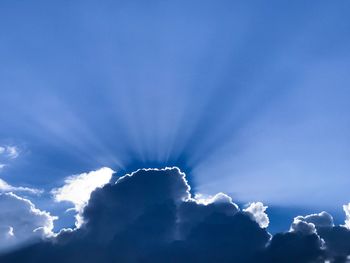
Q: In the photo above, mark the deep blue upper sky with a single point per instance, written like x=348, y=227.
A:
x=248, y=97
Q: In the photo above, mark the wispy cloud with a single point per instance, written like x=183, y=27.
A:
x=5, y=187
x=8, y=151
x=7, y=154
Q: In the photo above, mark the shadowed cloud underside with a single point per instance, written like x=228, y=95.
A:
x=151, y=216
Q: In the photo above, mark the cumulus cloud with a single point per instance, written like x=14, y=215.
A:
x=21, y=221
x=302, y=226
x=151, y=216
x=333, y=241
x=195, y=210
x=257, y=212
x=78, y=188
x=337, y=243
x=337, y=238
x=217, y=198
x=134, y=195
x=300, y=244
x=295, y=246
x=322, y=219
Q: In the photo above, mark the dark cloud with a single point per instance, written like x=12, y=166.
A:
x=337, y=240
x=294, y=247
x=150, y=216
x=192, y=212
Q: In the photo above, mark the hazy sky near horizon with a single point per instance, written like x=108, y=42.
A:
x=247, y=97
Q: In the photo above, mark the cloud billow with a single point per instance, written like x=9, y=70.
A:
x=151, y=216
x=21, y=221
x=78, y=188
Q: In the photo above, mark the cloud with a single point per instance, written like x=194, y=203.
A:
x=322, y=219
x=5, y=187
x=346, y=209
x=301, y=226
x=21, y=221
x=333, y=241
x=78, y=188
x=12, y=152
x=151, y=216
x=8, y=151
x=257, y=212
x=295, y=246
x=301, y=244
x=336, y=238
x=218, y=198
x=118, y=206
x=195, y=210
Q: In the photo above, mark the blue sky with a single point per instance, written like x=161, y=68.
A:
x=248, y=98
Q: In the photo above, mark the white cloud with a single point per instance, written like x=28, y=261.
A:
x=5, y=187
x=217, y=198
x=322, y=219
x=8, y=151
x=78, y=188
x=300, y=225
x=12, y=152
x=346, y=209
x=257, y=213
x=21, y=221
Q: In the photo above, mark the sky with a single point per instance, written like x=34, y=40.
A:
x=247, y=98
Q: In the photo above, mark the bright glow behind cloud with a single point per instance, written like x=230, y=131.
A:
x=78, y=188
x=346, y=209
x=217, y=198
x=257, y=212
